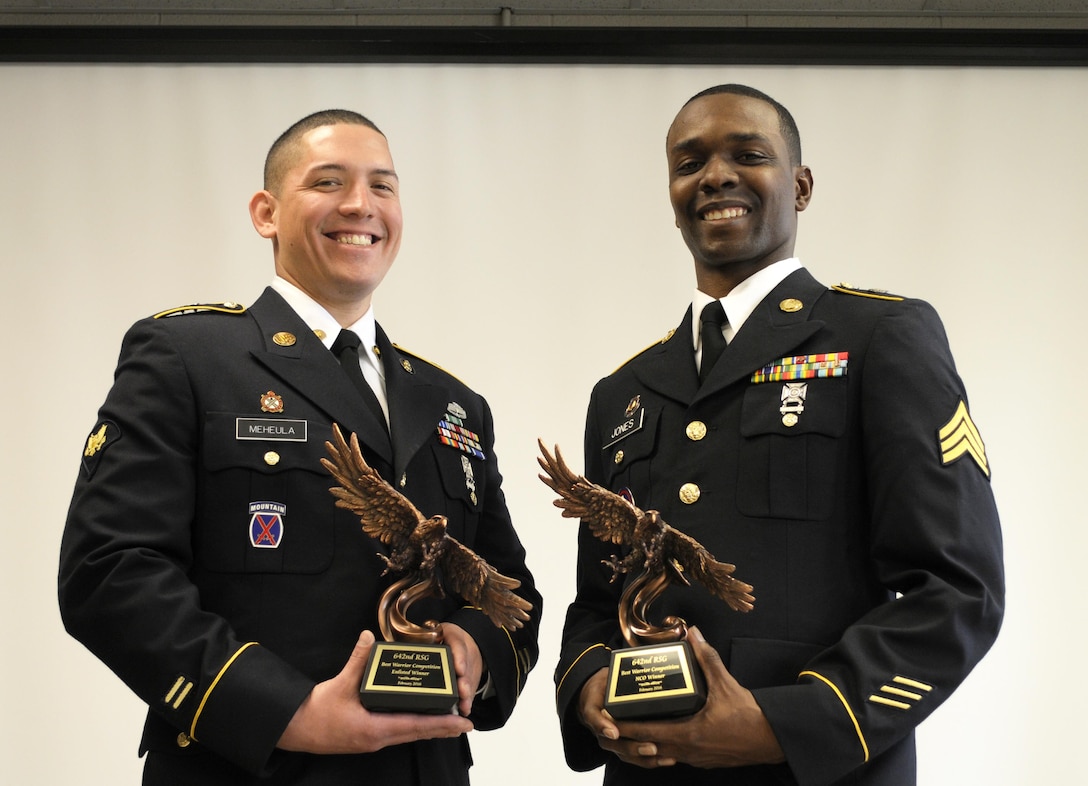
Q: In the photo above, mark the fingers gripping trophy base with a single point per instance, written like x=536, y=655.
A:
x=656, y=681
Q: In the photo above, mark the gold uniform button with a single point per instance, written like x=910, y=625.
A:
x=696, y=430
x=184, y=740
x=789, y=420
x=790, y=305
x=689, y=493
x=271, y=458
x=618, y=458
x=284, y=339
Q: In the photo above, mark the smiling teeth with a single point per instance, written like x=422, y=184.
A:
x=729, y=212
x=355, y=240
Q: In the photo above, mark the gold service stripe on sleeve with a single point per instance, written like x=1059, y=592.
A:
x=845, y=704
x=559, y=687
x=219, y=676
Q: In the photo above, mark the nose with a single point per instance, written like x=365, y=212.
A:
x=356, y=201
x=718, y=173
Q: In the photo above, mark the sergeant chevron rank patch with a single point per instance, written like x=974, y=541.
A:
x=959, y=437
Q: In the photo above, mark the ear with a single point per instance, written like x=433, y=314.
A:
x=803, y=187
x=262, y=212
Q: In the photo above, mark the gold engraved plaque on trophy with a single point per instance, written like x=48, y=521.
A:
x=656, y=675
x=412, y=670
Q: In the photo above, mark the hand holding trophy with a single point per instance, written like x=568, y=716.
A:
x=412, y=670
x=657, y=675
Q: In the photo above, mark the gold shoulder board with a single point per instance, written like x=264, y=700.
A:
x=663, y=340
x=202, y=308
x=417, y=356
x=876, y=294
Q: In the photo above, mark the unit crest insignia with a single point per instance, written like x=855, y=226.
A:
x=271, y=402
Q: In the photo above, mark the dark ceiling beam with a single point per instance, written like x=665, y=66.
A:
x=598, y=45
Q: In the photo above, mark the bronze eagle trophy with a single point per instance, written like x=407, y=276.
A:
x=664, y=554
x=412, y=670
x=419, y=547
x=657, y=675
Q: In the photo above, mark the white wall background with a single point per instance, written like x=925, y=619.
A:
x=541, y=253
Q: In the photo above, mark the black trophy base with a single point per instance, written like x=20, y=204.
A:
x=403, y=677
x=656, y=681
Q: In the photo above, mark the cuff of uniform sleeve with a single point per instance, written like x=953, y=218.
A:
x=247, y=707
x=579, y=745
x=816, y=727
x=506, y=667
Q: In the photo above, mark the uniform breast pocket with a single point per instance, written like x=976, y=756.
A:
x=263, y=502
x=463, y=485
x=790, y=435
x=627, y=455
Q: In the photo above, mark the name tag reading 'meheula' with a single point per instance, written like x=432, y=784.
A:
x=277, y=429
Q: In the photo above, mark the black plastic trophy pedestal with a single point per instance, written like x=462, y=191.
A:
x=656, y=681
x=403, y=677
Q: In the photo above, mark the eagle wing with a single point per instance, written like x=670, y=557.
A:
x=471, y=576
x=695, y=562
x=384, y=512
x=610, y=517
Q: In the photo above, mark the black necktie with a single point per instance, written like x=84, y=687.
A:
x=713, y=317
x=346, y=349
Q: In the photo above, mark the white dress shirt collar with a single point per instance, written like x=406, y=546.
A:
x=742, y=300
x=317, y=318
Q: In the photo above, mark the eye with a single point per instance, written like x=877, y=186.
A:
x=688, y=166
x=752, y=157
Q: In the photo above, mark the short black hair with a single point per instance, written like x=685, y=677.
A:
x=786, y=124
x=277, y=162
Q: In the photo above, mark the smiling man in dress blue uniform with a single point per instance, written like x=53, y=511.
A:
x=204, y=560
x=828, y=452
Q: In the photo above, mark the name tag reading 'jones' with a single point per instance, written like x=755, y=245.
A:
x=278, y=429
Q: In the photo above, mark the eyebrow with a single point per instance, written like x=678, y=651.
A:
x=341, y=168
x=735, y=138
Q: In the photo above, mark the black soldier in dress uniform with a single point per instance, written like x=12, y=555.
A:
x=829, y=453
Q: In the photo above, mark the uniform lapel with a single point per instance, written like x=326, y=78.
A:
x=310, y=368
x=775, y=329
x=669, y=367
x=415, y=404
